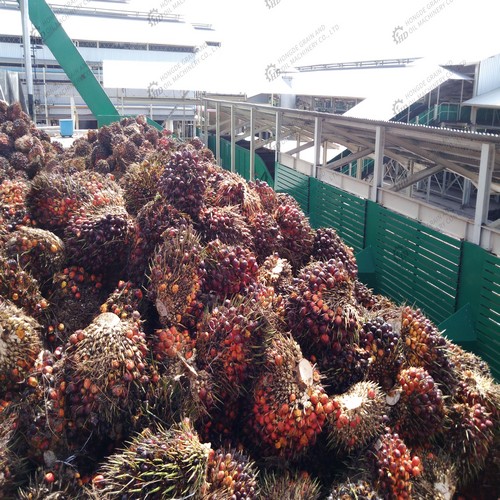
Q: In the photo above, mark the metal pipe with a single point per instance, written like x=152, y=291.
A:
x=27, y=56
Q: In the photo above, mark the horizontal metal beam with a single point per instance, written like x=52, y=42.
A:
x=307, y=145
x=419, y=176
x=351, y=157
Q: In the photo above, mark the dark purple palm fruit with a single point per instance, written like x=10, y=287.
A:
x=266, y=234
x=24, y=143
x=36, y=158
x=99, y=238
x=6, y=145
x=124, y=153
x=183, y=183
x=21, y=127
x=140, y=183
x=328, y=245
x=175, y=277
x=383, y=344
x=81, y=147
x=153, y=219
x=152, y=135
x=99, y=153
x=230, y=270
x=225, y=224
x=7, y=170
x=104, y=137
x=298, y=236
x=15, y=112
x=38, y=251
x=19, y=162
x=420, y=412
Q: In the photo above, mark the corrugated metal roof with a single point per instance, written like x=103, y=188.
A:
x=489, y=100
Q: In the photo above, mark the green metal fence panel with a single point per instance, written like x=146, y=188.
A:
x=332, y=207
x=294, y=183
x=480, y=287
x=414, y=264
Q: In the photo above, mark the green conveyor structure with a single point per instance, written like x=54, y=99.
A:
x=73, y=64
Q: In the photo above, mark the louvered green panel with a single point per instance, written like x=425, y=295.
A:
x=332, y=207
x=480, y=287
x=294, y=183
x=414, y=264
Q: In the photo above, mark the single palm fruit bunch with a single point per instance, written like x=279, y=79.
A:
x=287, y=485
x=163, y=464
x=175, y=276
x=151, y=222
x=265, y=233
x=329, y=245
x=173, y=348
x=229, y=341
x=268, y=196
x=55, y=198
x=125, y=299
x=140, y=182
x=420, y=411
x=289, y=406
x=395, y=466
x=359, y=418
x=230, y=270
x=13, y=203
x=470, y=433
x=107, y=365
x=424, y=346
x=298, y=236
x=20, y=344
x=383, y=344
x=21, y=288
x=354, y=489
x=183, y=183
x=277, y=273
x=225, y=224
x=467, y=361
x=75, y=297
x=38, y=251
x=230, y=474
x=99, y=238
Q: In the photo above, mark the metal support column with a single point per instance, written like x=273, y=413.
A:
x=252, y=144
x=27, y=55
x=233, y=140
x=206, y=119
x=378, y=169
x=217, y=133
x=483, y=190
x=466, y=192
x=318, y=125
x=279, y=118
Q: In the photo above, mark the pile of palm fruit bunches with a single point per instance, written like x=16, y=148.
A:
x=169, y=330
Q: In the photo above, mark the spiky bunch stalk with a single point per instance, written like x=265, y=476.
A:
x=383, y=344
x=467, y=361
x=21, y=288
x=439, y=478
x=20, y=344
x=230, y=270
x=360, y=417
x=395, y=466
x=290, y=486
x=99, y=238
x=183, y=183
x=154, y=218
x=289, y=406
x=354, y=489
x=420, y=412
x=267, y=195
x=55, y=198
x=38, y=251
x=328, y=245
x=175, y=275
x=164, y=464
x=298, y=236
x=276, y=272
x=470, y=433
x=230, y=474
